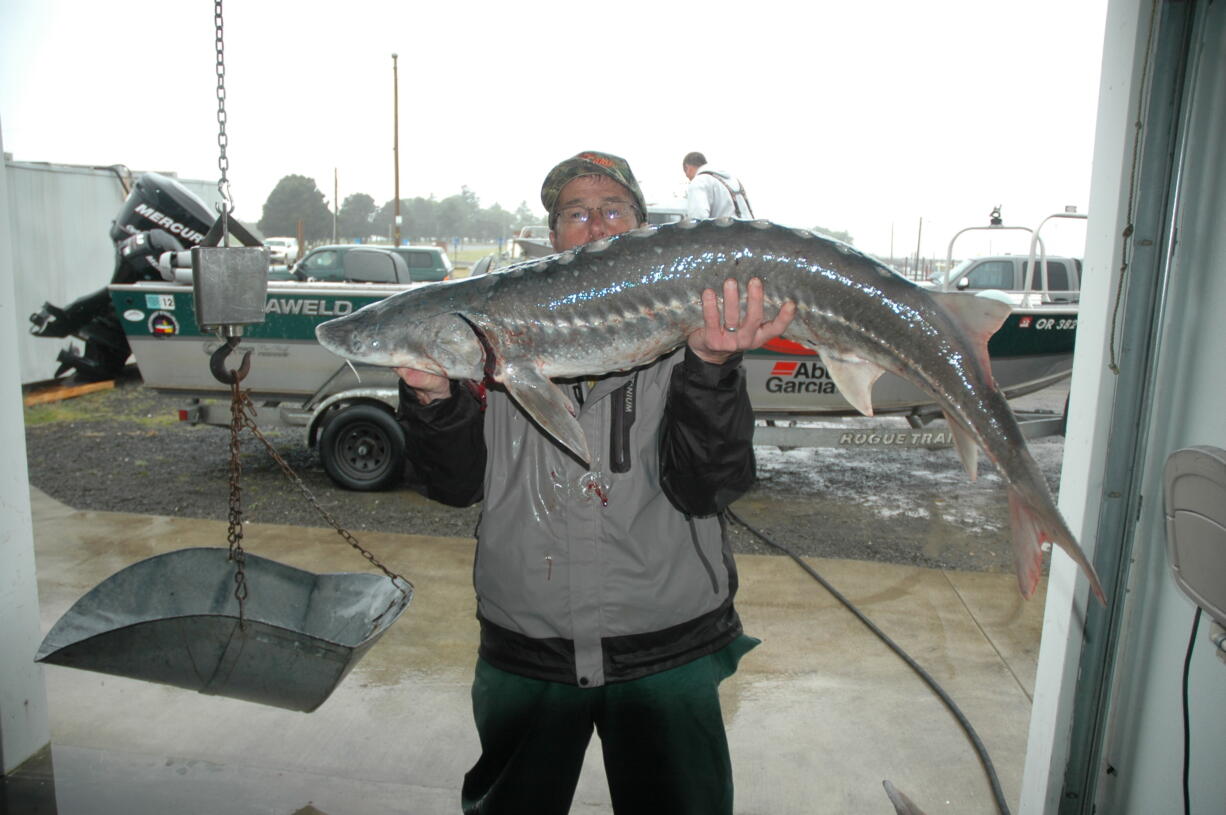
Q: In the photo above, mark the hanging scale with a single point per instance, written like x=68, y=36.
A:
x=168, y=618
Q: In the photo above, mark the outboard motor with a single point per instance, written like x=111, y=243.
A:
x=159, y=215
x=160, y=202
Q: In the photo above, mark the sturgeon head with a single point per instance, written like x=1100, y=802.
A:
x=413, y=329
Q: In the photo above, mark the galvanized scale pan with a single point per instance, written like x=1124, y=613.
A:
x=173, y=619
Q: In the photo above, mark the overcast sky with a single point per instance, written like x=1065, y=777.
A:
x=863, y=117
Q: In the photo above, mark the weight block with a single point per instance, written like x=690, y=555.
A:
x=230, y=285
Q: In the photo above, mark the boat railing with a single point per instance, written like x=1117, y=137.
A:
x=995, y=224
x=1036, y=243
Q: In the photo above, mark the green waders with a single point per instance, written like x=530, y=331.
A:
x=665, y=750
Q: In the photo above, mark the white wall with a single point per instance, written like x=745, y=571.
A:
x=23, y=698
x=1143, y=740
x=1090, y=404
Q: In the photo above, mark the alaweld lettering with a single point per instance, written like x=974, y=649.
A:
x=307, y=307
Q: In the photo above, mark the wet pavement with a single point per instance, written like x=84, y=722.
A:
x=817, y=716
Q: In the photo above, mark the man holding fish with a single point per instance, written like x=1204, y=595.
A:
x=592, y=489
x=604, y=587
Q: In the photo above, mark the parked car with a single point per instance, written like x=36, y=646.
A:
x=427, y=264
x=282, y=251
x=1060, y=280
x=369, y=264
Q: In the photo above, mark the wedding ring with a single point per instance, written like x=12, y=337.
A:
x=731, y=329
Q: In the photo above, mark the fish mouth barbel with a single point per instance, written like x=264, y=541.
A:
x=621, y=302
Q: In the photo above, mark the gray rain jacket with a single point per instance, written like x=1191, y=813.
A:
x=589, y=575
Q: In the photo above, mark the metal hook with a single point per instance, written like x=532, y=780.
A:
x=217, y=363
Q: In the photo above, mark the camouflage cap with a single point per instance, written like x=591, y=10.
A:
x=590, y=162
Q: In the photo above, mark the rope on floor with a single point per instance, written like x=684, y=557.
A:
x=976, y=742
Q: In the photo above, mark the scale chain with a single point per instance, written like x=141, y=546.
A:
x=235, y=534
x=242, y=411
x=245, y=413
x=223, y=161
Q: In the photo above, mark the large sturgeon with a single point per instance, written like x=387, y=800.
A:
x=621, y=302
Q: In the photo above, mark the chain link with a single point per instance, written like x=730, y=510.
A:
x=244, y=412
x=235, y=533
x=223, y=162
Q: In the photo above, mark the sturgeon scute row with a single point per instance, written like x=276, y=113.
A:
x=621, y=302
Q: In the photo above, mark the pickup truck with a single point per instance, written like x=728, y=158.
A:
x=359, y=263
x=1058, y=277
x=282, y=251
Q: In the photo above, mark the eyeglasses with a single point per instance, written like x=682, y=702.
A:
x=614, y=214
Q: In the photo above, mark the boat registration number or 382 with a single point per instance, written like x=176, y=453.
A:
x=1048, y=323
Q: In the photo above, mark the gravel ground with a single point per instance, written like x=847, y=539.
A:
x=123, y=450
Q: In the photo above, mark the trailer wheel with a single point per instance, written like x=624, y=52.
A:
x=362, y=448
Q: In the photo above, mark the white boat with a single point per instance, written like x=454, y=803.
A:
x=532, y=242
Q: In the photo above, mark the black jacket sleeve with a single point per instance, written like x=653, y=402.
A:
x=706, y=441
x=445, y=444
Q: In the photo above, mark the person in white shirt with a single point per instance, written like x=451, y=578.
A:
x=711, y=193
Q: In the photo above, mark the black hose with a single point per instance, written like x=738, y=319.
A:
x=976, y=742
x=1187, y=665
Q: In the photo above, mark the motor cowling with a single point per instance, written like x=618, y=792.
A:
x=160, y=202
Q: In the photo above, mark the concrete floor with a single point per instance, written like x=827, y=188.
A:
x=817, y=716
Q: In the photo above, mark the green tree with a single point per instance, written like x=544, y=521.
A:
x=381, y=223
x=421, y=221
x=353, y=222
x=457, y=214
x=424, y=220
x=296, y=198
x=525, y=216
x=418, y=219
x=493, y=223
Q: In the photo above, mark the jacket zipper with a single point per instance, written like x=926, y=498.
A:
x=622, y=403
x=698, y=548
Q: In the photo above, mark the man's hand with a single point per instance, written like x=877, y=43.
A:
x=724, y=335
x=428, y=387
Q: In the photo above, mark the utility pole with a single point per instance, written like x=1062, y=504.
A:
x=335, y=205
x=396, y=148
